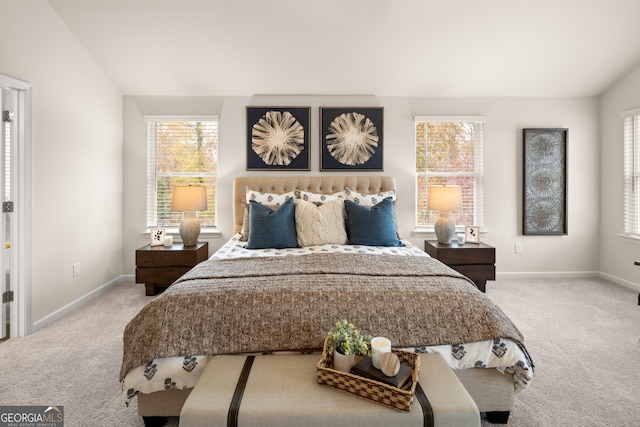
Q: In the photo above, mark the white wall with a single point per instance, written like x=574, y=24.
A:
x=576, y=253
x=617, y=254
x=77, y=156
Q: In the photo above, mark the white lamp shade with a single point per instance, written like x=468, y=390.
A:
x=445, y=198
x=189, y=199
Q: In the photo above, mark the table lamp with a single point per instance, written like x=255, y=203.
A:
x=445, y=198
x=189, y=199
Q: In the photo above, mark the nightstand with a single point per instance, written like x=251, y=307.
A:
x=477, y=261
x=160, y=266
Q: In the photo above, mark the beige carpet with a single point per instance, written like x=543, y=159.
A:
x=583, y=335
x=584, y=338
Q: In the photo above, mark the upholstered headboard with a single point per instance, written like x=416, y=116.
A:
x=326, y=184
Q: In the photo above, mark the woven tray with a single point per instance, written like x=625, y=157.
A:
x=366, y=388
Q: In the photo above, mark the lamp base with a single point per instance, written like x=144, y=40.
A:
x=189, y=229
x=445, y=228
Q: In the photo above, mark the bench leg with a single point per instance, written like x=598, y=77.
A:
x=498, y=417
x=155, y=421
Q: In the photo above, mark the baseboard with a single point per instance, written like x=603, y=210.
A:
x=620, y=281
x=128, y=278
x=47, y=320
x=569, y=275
x=547, y=274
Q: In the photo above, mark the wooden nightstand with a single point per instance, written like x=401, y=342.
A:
x=160, y=266
x=477, y=261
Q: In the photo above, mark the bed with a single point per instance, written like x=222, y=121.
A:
x=264, y=293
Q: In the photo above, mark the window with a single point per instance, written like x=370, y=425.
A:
x=449, y=151
x=632, y=173
x=180, y=151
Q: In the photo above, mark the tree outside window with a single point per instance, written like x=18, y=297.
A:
x=449, y=152
x=180, y=152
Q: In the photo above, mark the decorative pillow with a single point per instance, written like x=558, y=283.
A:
x=272, y=228
x=272, y=200
x=320, y=198
x=374, y=199
x=268, y=198
x=320, y=225
x=371, y=226
x=368, y=199
x=244, y=233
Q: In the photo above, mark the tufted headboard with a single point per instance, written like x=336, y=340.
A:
x=326, y=184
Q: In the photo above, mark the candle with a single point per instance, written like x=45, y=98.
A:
x=379, y=345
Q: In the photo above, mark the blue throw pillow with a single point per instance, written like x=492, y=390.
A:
x=374, y=226
x=272, y=229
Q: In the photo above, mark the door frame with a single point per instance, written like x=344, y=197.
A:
x=21, y=310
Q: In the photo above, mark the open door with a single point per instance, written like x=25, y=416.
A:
x=5, y=264
x=15, y=204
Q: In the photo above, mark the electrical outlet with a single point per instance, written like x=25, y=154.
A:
x=519, y=248
x=76, y=269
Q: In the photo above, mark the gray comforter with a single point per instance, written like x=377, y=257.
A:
x=290, y=303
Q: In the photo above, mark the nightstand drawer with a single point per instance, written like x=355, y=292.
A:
x=172, y=256
x=476, y=271
x=454, y=254
x=160, y=276
x=477, y=261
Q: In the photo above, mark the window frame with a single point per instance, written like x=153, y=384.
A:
x=631, y=171
x=152, y=172
x=477, y=174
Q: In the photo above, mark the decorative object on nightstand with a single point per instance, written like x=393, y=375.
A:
x=445, y=198
x=472, y=234
x=189, y=199
x=477, y=261
x=157, y=236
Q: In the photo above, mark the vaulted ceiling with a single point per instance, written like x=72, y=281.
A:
x=387, y=48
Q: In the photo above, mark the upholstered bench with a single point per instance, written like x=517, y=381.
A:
x=282, y=390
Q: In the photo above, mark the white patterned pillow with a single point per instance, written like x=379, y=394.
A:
x=320, y=225
x=272, y=200
x=319, y=198
x=368, y=200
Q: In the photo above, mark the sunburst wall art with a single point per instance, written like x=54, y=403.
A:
x=351, y=138
x=278, y=138
x=545, y=181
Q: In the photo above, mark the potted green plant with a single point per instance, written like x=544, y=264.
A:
x=345, y=342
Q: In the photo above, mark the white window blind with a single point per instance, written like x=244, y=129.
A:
x=632, y=172
x=449, y=151
x=180, y=151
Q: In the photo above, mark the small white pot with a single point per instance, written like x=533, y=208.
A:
x=343, y=363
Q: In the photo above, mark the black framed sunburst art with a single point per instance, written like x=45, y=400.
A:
x=278, y=138
x=351, y=138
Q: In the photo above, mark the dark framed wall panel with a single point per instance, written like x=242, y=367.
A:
x=545, y=181
x=278, y=138
x=351, y=138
